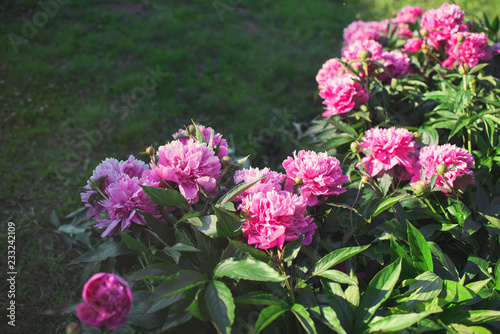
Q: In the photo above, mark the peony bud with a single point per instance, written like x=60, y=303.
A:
x=424, y=32
x=417, y=136
x=365, y=179
x=418, y=188
x=150, y=151
x=226, y=161
x=73, y=328
x=460, y=38
x=298, y=181
x=365, y=54
x=191, y=130
x=441, y=169
x=354, y=147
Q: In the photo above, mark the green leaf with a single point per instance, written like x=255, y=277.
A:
x=397, y=251
x=387, y=203
x=459, y=124
x=462, y=329
x=462, y=101
x=226, y=223
x=132, y=243
x=304, y=318
x=175, y=250
x=198, y=134
x=189, y=215
x=426, y=286
x=474, y=317
x=395, y=322
x=198, y=307
x=205, y=224
x=454, y=292
x=338, y=302
x=260, y=298
x=378, y=291
x=478, y=285
x=478, y=67
x=236, y=190
x=103, y=252
x=166, y=197
x=291, y=249
x=252, y=251
x=267, y=316
x=220, y=305
x=154, y=270
x=336, y=276
x=334, y=258
x=249, y=269
x=327, y=316
x=419, y=250
x=180, y=282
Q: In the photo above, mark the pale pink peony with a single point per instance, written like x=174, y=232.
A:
x=191, y=165
x=442, y=23
x=389, y=148
x=342, y=94
x=218, y=143
x=270, y=182
x=355, y=50
x=319, y=175
x=458, y=162
x=332, y=68
x=112, y=170
x=274, y=217
x=362, y=31
x=108, y=300
x=413, y=45
x=408, y=14
x=396, y=62
x=126, y=199
x=472, y=50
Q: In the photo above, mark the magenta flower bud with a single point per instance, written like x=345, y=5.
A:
x=108, y=300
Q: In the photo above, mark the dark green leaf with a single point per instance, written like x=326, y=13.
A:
x=419, y=250
x=180, y=282
x=155, y=269
x=198, y=307
x=205, y=224
x=132, y=243
x=327, y=316
x=459, y=124
x=426, y=286
x=166, y=197
x=338, y=302
x=260, y=298
x=387, y=203
x=237, y=190
x=252, y=251
x=291, y=249
x=103, y=252
x=334, y=258
x=220, y=306
x=226, y=223
x=268, y=315
x=191, y=215
x=304, y=318
x=249, y=269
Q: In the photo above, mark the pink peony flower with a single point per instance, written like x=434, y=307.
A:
x=458, y=162
x=389, y=148
x=108, y=300
x=270, y=182
x=442, y=23
x=495, y=49
x=319, y=175
x=274, y=217
x=191, y=165
x=332, y=68
x=355, y=50
x=217, y=139
x=112, y=170
x=362, y=31
x=397, y=62
x=408, y=14
x=126, y=200
x=342, y=94
x=413, y=45
x=472, y=50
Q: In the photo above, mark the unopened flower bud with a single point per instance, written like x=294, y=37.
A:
x=460, y=38
x=226, y=161
x=94, y=183
x=363, y=107
x=150, y=150
x=441, y=169
x=365, y=179
x=418, y=188
x=354, y=147
x=298, y=181
x=424, y=32
x=191, y=130
x=365, y=54
x=73, y=328
x=417, y=136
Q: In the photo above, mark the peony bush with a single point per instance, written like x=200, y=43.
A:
x=387, y=219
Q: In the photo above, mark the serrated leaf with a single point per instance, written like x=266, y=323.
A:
x=267, y=316
x=304, y=318
x=220, y=306
x=103, y=252
x=249, y=269
x=166, y=197
x=334, y=258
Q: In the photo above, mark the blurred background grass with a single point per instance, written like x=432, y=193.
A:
x=74, y=89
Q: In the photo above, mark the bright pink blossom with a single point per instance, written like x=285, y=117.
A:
x=190, y=166
x=355, y=50
x=362, y=31
x=413, y=45
x=442, y=23
x=274, y=217
x=126, y=199
x=218, y=143
x=458, y=162
x=472, y=49
x=408, y=14
x=332, y=68
x=389, y=148
x=396, y=62
x=270, y=182
x=342, y=94
x=112, y=170
x=319, y=175
x=108, y=300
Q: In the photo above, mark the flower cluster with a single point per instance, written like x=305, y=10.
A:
x=107, y=300
x=395, y=152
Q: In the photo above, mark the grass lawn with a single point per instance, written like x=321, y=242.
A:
x=84, y=80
